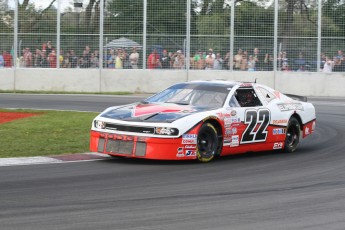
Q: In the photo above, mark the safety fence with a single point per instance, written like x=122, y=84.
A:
x=239, y=35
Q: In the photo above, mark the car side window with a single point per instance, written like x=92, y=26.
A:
x=233, y=102
x=247, y=97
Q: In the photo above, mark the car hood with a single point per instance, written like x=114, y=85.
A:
x=165, y=112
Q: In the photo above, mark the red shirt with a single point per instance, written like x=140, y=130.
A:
x=152, y=61
x=8, y=59
x=52, y=60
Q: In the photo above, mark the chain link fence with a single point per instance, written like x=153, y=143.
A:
x=240, y=35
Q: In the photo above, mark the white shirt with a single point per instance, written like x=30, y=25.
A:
x=327, y=67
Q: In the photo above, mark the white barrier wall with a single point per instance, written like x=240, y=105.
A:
x=151, y=81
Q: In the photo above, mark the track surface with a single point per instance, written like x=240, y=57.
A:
x=303, y=190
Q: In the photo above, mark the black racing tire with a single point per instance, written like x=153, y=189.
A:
x=293, y=133
x=207, y=143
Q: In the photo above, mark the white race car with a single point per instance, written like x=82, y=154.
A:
x=202, y=120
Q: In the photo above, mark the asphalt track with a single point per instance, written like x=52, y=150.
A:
x=303, y=190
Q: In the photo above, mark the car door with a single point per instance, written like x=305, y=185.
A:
x=246, y=129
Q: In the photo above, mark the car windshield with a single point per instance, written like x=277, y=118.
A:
x=195, y=95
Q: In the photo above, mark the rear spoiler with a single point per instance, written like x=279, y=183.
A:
x=297, y=97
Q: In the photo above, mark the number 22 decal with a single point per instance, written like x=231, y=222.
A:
x=257, y=122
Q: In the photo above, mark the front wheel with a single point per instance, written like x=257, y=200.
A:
x=207, y=143
x=293, y=133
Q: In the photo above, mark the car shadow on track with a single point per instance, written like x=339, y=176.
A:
x=266, y=155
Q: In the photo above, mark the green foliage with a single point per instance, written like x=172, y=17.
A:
x=251, y=19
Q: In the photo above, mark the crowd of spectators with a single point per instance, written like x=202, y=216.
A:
x=119, y=58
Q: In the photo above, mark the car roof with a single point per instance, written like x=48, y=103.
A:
x=214, y=83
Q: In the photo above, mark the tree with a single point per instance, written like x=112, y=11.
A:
x=30, y=17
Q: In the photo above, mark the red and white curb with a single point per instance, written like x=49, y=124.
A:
x=52, y=159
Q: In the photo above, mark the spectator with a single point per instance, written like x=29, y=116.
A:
x=94, y=61
x=120, y=57
x=52, y=59
x=259, y=60
x=134, y=58
x=7, y=59
x=328, y=65
x=2, y=61
x=165, y=60
x=211, y=54
x=286, y=67
x=244, y=61
x=251, y=63
x=179, y=60
x=226, y=63
x=49, y=47
x=198, y=61
x=209, y=60
x=37, y=58
x=282, y=59
x=238, y=59
x=111, y=59
x=268, y=63
x=84, y=61
x=27, y=57
x=340, y=55
x=86, y=58
x=339, y=65
x=301, y=68
x=43, y=60
x=73, y=59
x=218, y=62
x=66, y=61
x=153, y=60
x=61, y=58
x=300, y=60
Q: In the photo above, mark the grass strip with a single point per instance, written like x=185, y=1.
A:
x=49, y=133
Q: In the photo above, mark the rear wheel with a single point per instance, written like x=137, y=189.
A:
x=207, y=143
x=293, y=133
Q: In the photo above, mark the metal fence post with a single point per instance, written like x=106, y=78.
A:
x=58, y=33
x=319, y=22
x=144, y=33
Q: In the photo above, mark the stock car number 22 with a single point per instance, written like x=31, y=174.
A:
x=257, y=122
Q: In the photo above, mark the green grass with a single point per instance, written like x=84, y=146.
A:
x=51, y=133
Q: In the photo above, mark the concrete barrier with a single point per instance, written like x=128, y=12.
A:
x=151, y=81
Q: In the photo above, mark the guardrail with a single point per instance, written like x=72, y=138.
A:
x=151, y=81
